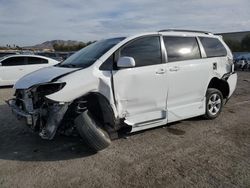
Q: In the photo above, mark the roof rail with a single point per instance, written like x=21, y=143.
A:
x=184, y=30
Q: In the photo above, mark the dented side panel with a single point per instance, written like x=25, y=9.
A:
x=140, y=91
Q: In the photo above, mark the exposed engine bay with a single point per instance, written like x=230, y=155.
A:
x=42, y=115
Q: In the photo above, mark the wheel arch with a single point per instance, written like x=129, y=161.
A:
x=221, y=85
x=101, y=109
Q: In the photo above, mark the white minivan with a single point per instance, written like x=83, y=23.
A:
x=128, y=84
x=13, y=67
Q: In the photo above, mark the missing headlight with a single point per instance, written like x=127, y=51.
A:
x=49, y=88
x=39, y=92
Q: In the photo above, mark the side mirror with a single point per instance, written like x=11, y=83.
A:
x=0, y=64
x=126, y=62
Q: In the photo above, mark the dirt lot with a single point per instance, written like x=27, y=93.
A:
x=191, y=153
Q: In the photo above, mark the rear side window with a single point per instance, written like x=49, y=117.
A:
x=145, y=51
x=213, y=47
x=36, y=60
x=14, y=61
x=181, y=48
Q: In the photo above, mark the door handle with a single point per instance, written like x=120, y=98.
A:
x=175, y=68
x=160, y=71
x=214, y=65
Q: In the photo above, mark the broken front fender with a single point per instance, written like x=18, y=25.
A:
x=55, y=115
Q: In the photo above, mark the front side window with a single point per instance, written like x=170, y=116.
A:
x=36, y=60
x=213, y=47
x=88, y=55
x=181, y=48
x=14, y=61
x=145, y=51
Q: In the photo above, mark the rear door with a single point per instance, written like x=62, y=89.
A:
x=35, y=63
x=188, y=75
x=141, y=91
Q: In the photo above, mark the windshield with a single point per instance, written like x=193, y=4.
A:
x=88, y=55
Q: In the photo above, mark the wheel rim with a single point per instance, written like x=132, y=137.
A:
x=214, y=104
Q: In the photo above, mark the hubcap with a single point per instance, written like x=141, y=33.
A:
x=214, y=104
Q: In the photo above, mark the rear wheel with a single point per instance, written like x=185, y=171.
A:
x=214, y=103
x=92, y=132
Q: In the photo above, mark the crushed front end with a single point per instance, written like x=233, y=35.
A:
x=41, y=114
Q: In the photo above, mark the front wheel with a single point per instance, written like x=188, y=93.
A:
x=92, y=132
x=214, y=103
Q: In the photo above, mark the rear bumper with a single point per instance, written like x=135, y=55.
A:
x=232, y=81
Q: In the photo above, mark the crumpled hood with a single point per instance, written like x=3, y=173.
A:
x=43, y=75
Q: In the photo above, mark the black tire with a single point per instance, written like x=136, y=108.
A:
x=213, y=109
x=89, y=129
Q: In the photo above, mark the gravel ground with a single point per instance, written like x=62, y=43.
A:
x=190, y=153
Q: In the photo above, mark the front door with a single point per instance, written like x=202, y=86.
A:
x=141, y=91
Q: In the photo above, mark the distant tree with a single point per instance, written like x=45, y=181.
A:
x=67, y=48
x=245, y=43
x=235, y=46
x=3, y=48
x=90, y=42
x=18, y=47
x=55, y=46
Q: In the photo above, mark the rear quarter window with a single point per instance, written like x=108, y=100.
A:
x=213, y=47
x=36, y=60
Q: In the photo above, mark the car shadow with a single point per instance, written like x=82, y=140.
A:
x=18, y=142
x=170, y=127
x=198, y=118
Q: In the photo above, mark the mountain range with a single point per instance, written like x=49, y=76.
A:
x=50, y=44
x=234, y=36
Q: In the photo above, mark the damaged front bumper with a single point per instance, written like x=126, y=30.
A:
x=46, y=121
x=30, y=118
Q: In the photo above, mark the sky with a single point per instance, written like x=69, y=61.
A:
x=29, y=22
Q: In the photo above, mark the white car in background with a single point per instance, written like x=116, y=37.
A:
x=13, y=67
